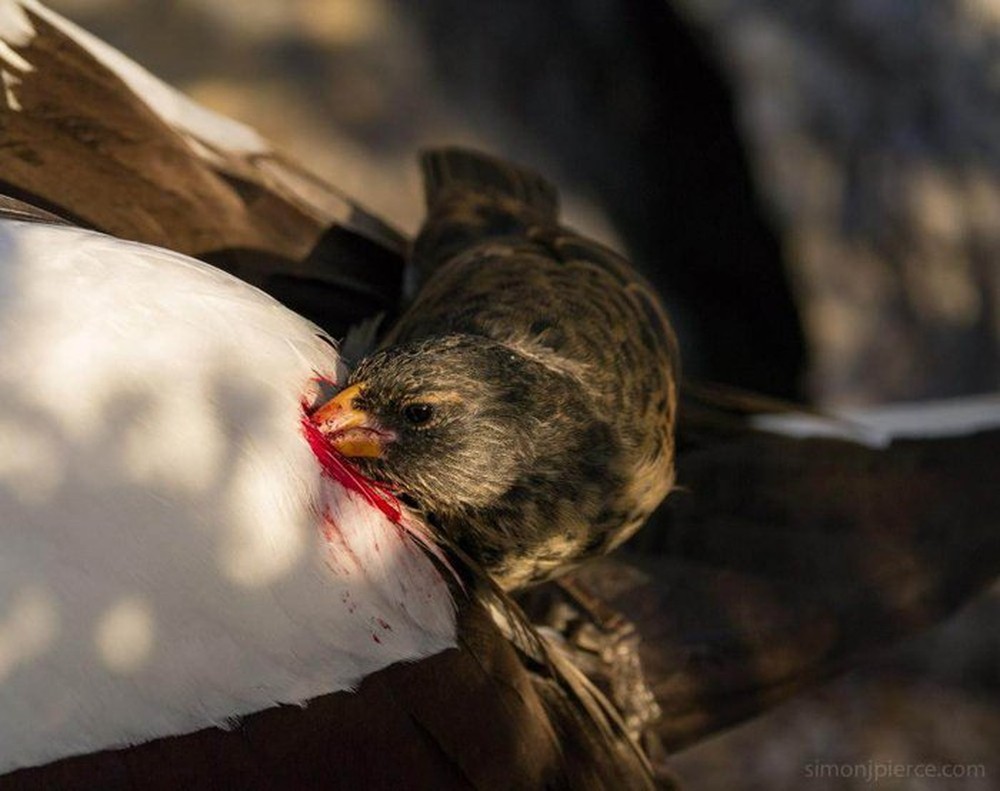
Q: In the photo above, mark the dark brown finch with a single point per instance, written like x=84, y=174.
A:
x=525, y=401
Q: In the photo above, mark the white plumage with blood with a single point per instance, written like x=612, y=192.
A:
x=173, y=553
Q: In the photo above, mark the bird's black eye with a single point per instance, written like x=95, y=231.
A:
x=418, y=414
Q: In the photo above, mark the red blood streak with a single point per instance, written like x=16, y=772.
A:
x=383, y=624
x=330, y=530
x=375, y=638
x=335, y=466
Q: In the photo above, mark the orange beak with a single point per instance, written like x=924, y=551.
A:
x=350, y=431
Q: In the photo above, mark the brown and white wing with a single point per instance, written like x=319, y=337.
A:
x=93, y=137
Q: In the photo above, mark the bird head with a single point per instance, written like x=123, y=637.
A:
x=448, y=421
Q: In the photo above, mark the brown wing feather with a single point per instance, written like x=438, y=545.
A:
x=87, y=148
x=784, y=560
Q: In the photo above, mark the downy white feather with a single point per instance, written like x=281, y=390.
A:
x=171, y=554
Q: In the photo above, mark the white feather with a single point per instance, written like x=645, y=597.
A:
x=164, y=560
x=878, y=426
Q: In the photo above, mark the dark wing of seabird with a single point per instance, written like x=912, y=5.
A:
x=796, y=545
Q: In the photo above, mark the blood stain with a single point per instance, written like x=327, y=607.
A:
x=336, y=467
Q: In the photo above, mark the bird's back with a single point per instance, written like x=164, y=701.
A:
x=493, y=260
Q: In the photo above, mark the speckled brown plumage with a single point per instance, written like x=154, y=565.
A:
x=553, y=367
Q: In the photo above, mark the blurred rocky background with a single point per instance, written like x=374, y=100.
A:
x=814, y=186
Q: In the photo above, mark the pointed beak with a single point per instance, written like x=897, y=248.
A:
x=350, y=431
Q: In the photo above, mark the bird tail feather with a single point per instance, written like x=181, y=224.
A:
x=452, y=169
